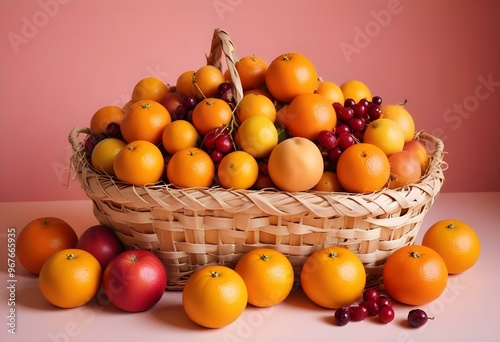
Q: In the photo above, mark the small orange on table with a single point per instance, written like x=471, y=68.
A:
x=214, y=296
x=40, y=239
x=70, y=278
x=415, y=275
x=333, y=277
x=456, y=242
x=268, y=275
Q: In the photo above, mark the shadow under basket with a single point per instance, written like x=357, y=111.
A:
x=193, y=227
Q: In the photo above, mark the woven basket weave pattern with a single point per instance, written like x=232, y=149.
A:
x=193, y=227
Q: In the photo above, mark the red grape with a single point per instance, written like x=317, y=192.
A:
x=357, y=124
x=334, y=154
x=216, y=155
x=370, y=294
x=345, y=114
x=341, y=129
x=349, y=102
x=342, y=316
x=386, y=314
x=346, y=140
x=372, y=307
x=327, y=139
x=374, y=112
x=189, y=102
x=417, y=318
x=224, y=143
x=377, y=100
x=358, y=313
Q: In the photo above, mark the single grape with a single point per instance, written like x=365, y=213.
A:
x=224, y=143
x=337, y=106
x=364, y=102
x=209, y=140
x=371, y=294
x=360, y=108
x=358, y=313
x=346, y=140
x=341, y=129
x=113, y=130
x=224, y=87
x=372, y=307
x=345, y=114
x=216, y=155
x=342, y=316
x=417, y=318
x=327, y=139
x=189, y=102
x=180, y=113
x=383, y=300
x=358, y=135
x=386, y=314
x=377, y=100
x=356, y=124
x=349, y=102
x=334, y=154
x=374, y=112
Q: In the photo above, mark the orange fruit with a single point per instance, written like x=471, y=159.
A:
x=333, y=277
x=252, y=71
x=268, y=275
x=258, y=136
x=415, y=275
x=211, y=113
x=103, y=154
x=385, y=134
x=309, y=114
x=363, y=168
x=191, y=167
x=295, y=164
x=289, y=75
x=237, y=170
x=405, y=169
x=185, y=84
x=400, y=114
x=150, y=88
x=456, y=242
x=139, y=163
x=420, y=151
x=356, y=90
x=103, y=117
x=145, y=120
x=214, y=296
x=254, y=104
x=331, y=91
x=179, y=134
x=328, y=182
x=40, y=239
x=70, y=278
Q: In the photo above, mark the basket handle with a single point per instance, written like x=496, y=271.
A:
x=73, y=137
x=222, y=44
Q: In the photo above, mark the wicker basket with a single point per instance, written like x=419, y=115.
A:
x=192, y=227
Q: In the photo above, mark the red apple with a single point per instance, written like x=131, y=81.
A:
x=420, y=151
x=135, y=280
x=102, y=242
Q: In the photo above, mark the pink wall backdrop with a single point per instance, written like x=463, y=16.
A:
x=61, y=60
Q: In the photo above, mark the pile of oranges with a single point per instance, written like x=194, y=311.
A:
x=289, y=130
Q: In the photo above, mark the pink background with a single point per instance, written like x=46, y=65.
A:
x=61, y=60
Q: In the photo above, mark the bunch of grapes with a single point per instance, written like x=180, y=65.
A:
x=218, y=142
x=352, y=119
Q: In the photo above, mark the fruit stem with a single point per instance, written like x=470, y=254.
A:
x=264, y=257
x=414, y=254
x=332, y=254
x=450, y=225
x=70, y=256
x=214, y=274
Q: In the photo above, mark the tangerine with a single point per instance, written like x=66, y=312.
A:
x=103, y=117
x=185, y=84
x=214, y=296
x=103, y=154
x=70, y=278
x=179, y=134
x=237, y=170
x=328, y=182
x=145, y=120
x=211, y=113
x=385, y=134
x=268, y=275
x=333, y=277
x=356, y=90
x=456, y=242
x=309, y=114
x=139, y=163
x=40, y=239
x=289, y=75
x=400, y=114
x=331, y=91
x=254, y=104
x=191, y=167
x=258, y=136
x=252, y=71
x=415, y=275
x=295, y=164
x=150, y=88
x=363, y=168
